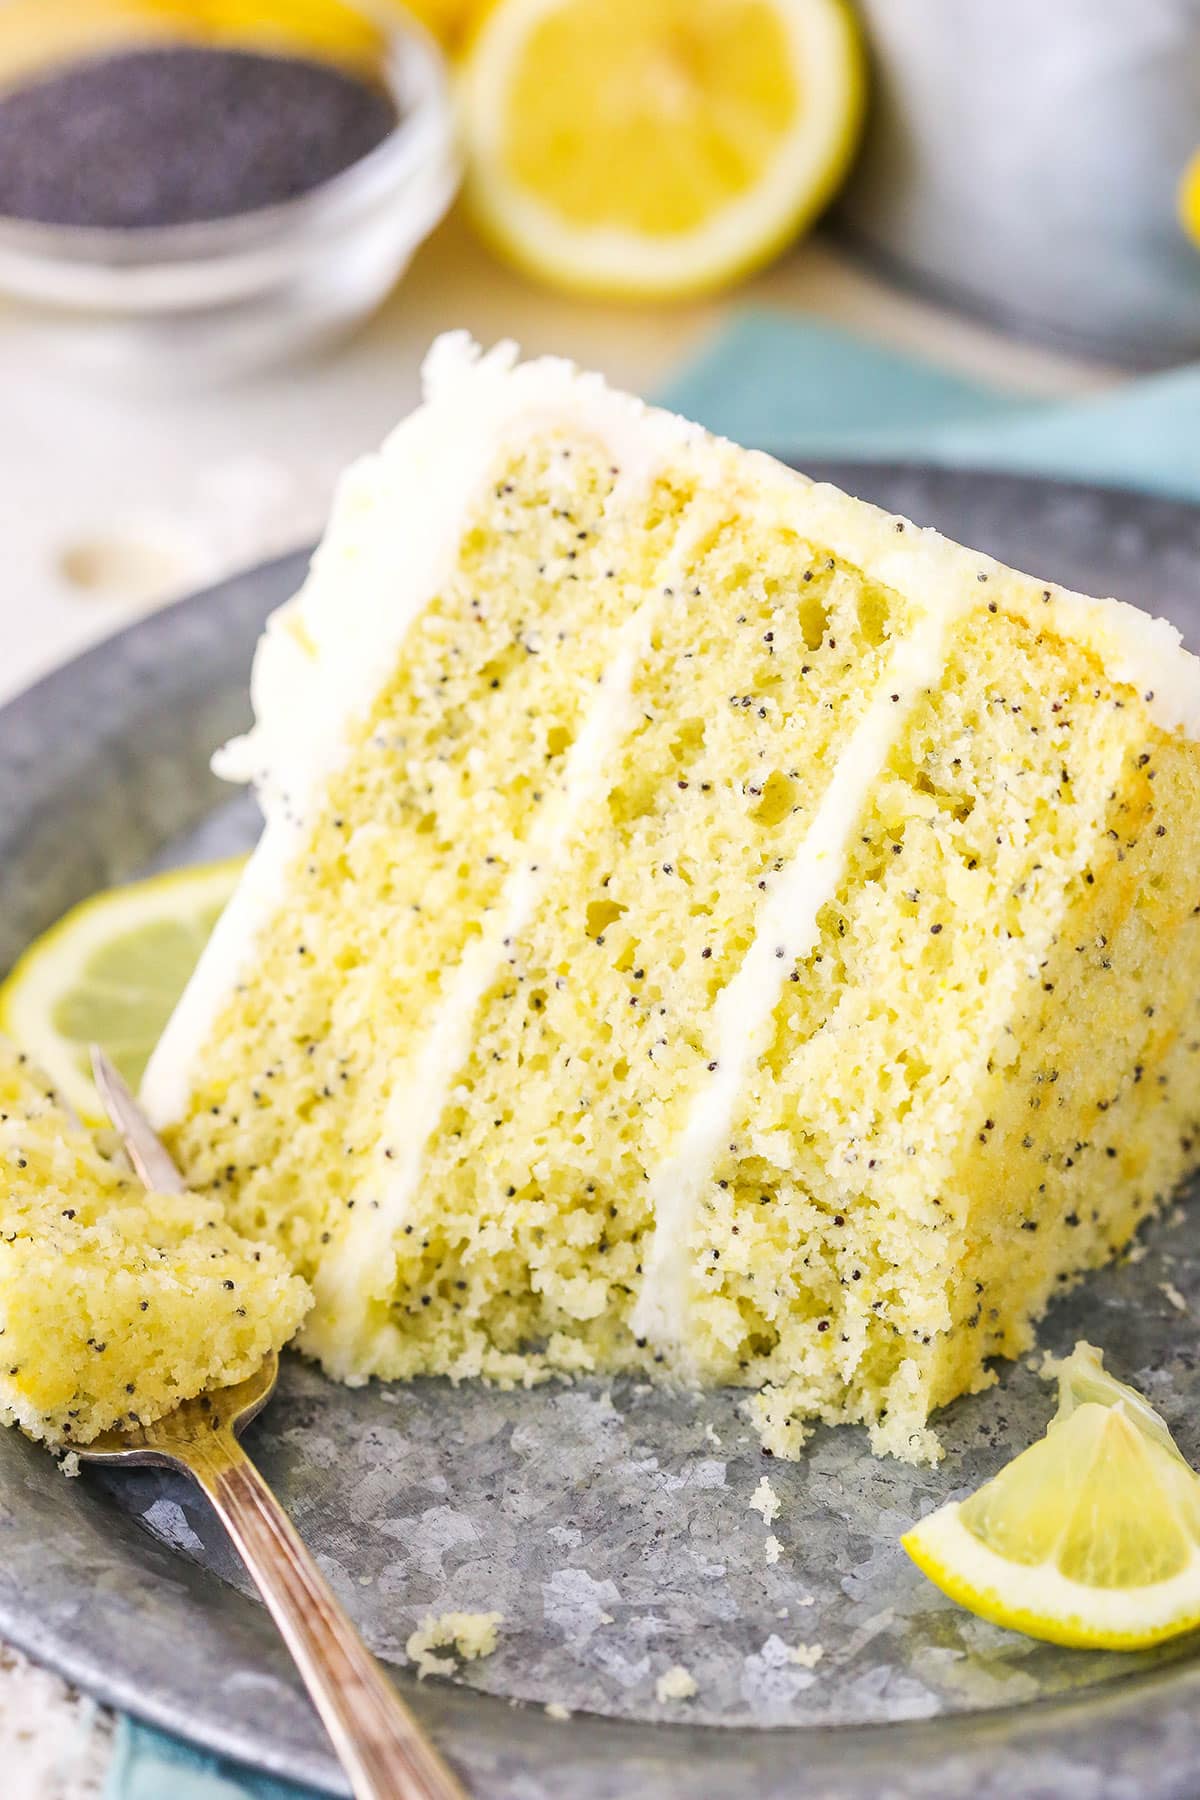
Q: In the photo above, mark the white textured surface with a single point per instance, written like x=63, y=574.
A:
x=183, y=489
x=54, y=1744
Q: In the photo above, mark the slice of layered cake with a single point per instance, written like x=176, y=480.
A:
x=703, y=925
x=116, y=1304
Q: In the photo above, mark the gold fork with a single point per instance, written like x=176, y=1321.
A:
x=384, y=1751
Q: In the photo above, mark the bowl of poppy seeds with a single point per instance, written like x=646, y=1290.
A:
x=196, y=208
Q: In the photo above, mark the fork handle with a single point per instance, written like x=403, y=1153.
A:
x=383, y=1750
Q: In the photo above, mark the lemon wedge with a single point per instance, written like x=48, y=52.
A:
x=656, y=147
x=1091, y=1537
x=110, y=973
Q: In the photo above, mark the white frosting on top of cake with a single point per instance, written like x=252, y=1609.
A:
x=325, y=656
x=1146, y=652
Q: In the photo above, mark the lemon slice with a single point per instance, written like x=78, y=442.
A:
x=1091, y=1537
x=656, y=147
x=110, y=973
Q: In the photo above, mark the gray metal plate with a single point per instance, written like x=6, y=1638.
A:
x=610, y=1525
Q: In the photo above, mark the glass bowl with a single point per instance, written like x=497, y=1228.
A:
x=209, y=301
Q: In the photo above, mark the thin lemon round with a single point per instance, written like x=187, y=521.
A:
x=110, y=973
x=1091, y=1537
x=656, y=147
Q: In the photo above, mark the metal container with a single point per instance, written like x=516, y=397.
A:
x=1023, y=160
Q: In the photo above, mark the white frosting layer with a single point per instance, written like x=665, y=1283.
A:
x=360, y=1264
x=167, y=1082
x=786, y=930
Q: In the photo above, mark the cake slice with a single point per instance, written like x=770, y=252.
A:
x=704, y=925
x=116, y=1304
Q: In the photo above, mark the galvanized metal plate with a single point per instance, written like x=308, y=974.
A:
x=610, y=1525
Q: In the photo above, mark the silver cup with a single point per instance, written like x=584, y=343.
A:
x=1023, y=160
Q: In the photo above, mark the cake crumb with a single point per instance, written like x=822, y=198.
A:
x=774, y=1549
x=68, y=1465
x=710, y=1434
x=467, y=1635
x=806, y=1655
x=1173, y=1296
x=766, y=1501
x=556, y=1710
x=676, y=1684
x=781, y=1429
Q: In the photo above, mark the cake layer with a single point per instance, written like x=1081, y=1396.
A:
x=411, y=853
x=116, y=1304
x=589, y=1038
x=893, y=1043
x=661, y=911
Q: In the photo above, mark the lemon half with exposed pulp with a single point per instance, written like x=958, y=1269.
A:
x=1189, y=199
x=656, y=147
x=1091, y=1537
x=110, y=973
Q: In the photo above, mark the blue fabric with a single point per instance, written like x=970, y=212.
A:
x=803, y=388
x=148, y=1765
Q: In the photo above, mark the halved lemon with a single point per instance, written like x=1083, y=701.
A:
x=1189, y=199
x=1091, y=1537
x=656, y=147
x=110, y=973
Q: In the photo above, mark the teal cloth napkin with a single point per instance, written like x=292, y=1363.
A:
x=148, y=1765
x=802, y=388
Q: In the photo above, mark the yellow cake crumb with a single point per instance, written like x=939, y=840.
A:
x=467, y=1635
x=782, y=1428
x=676, y=1684
x=115, y=1303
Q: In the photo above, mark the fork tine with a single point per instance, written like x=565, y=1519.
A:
x=148, y=1154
